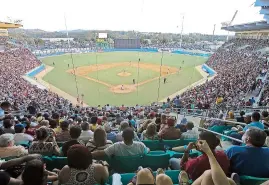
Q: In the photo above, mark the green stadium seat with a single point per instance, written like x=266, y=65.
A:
x=126, y=164
x=156, y=161
x=220, y=129
x=248, y=180
x=160, y=144
x=55, y=162
x=60, y=144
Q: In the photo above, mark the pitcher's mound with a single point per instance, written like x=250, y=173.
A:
x=124, y=74
x=123, y=89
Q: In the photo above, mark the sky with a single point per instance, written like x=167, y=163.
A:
x=140, y=15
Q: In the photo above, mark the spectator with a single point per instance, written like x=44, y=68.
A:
x=150, y=133
x=42, y=146
x=241, y=118
x=20, y=137
x=127, y=147
x=86, y=133
x=8, y=124
x=35, y=174
x=82, y=171
x=7, y=148
x=190, y=134
x=99, y=141
x=74, y=132
x=123, y=126
x=169, y=132
x=131, y=121
x=4, y=106
x=94, y=124
x=195, y=167
x=110, y=134
x=239, y=156
x=64, y=135
x=255, y=122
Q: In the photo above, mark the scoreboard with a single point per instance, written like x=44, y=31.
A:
x=127, y=44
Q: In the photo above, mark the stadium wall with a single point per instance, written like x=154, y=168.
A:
x=208, y=70
x=36, y=70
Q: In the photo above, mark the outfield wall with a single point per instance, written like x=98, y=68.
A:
x=36, y=70
x=208, y=70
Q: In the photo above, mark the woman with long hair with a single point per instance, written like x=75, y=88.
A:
x=99, y=141
x=150, y=133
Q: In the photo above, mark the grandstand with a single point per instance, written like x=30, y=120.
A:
x=216, y=130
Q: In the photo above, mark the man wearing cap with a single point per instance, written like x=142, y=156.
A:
x=20, y=137
x=109, y=134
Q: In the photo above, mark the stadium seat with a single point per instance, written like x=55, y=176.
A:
x=156, y=161
x=220, y=129
x=55, y=162
x=126, y=164
x=162, y=144
x=248, y=180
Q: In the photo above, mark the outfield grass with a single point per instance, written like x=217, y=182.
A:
x=96, y=93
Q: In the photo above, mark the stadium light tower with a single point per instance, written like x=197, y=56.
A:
x=182, y=26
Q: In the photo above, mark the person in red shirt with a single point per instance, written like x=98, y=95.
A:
x=195, y=167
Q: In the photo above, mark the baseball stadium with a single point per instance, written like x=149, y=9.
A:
x=95, y=107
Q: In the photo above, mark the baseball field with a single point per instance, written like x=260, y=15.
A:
x=118, y=78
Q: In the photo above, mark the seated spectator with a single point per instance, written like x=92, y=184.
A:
x=131, y=121
x=82, y=171
x=44, y=123
x=35, y=174
x=255, y=122
x=109, y=133
x=7, y=148
x=240, y=156
x=144, y=125
x=163, y=121
x=4, y=106
x=86, y=133
x=94, y=124
x=8, y=124
x=128, y=147
x=123, y=126
x=217, y=122
x=158, y=123
x=190, y=134
x=265, y=118
x=214, y=176
x=99, y=141
x=64, y=134
x=74, y=132
x=42, y=146
x=231, y=116
x=241, y=118
x=195, y=167
x=150, y=133
x=20, y=137
x=169, y=132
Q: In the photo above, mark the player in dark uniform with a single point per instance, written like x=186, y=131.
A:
x=139, y=59
x=164, y=80
x=68, y=65
x=53, y=63
x=183, y=62
x=133, y=81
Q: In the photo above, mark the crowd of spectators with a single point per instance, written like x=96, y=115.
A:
x=238, y=64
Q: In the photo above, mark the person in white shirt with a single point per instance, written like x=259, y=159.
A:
x=20, y=137
x=190, y=134
x=108, y=108
x=127, y=147
x=86, y=133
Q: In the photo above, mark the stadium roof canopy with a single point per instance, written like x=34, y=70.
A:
x=6, y=25
x=254, y=26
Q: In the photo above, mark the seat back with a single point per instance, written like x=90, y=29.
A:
x=55, y=162
x=249, y=180
x=154, y=144
x=178, y=142
x=126, y=164
x=156, y=161
x=160, y=144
